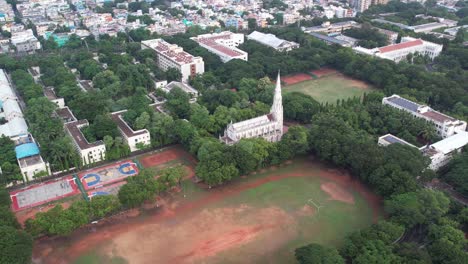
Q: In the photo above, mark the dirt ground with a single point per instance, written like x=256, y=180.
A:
x=24, y=215
x=193, y=231
x=323, y=72
x=165, y=156
x=296, y=78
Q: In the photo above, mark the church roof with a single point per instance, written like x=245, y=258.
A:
x=253, y=122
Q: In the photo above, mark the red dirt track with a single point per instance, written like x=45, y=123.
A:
x=323, y=72
x=215, y=234
x=296, y=78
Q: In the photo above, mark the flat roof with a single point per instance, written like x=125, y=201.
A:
x=212, y=42
x=437, y=116
x=394, y=139
x=65, y=114
x=78, y=137
x=405, y=103
x=452, y=143
x=50, y=93
x=26, y=150
x=124, y=127
x=167, y=49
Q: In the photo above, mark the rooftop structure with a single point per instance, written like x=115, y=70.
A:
x=10, y=110
x=185, y=87
x=89, y=152
x=49, y=92
x=400, y=51
x=223, y=44
x=134, y=139
x=328, y=28
x=65, y=114
x=173, y=56
x=272, y=41
x=330, y=40
x=269, y=126
x=25, y=41
x=389, y=139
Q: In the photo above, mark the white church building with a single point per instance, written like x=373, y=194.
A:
x=269, y=126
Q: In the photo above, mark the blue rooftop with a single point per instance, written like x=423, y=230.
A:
x=26, y=150
x=407, y=104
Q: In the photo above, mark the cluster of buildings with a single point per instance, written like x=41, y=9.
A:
x=14, y=126
x=451, y=130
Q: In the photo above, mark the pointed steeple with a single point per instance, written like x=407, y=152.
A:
x=277, y=107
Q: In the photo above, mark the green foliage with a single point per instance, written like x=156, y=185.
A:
x=368, y=37
x=178, y=103
x=7, y=218
x=318, y=254
x=299, y=107
x=421, y=207
x=376, y=252
x=457, y=173
x=15, y=246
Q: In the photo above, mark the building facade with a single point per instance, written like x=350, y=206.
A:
x=269, y=126
x=223, y=44
x=89, y=152
x=173, y=56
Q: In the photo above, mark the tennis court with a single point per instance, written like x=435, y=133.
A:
x=43, y=193
x=98, y=177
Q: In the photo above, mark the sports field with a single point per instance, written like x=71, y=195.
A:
x=101, y=176
x=261, y=218
x=329, y=86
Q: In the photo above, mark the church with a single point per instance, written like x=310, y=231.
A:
x=269, y=126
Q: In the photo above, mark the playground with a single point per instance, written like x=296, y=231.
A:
x=328, y=85
x=260, y=218
x=39, y=194
x=101, y=176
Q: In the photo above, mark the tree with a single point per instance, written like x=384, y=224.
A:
x=421, y=207
x=318, y=254
x=142, y=121
x=215, y=173
x=7, y=218
x=252, y=23
x=376, y=252
x=173, y=74
x=15, y=245
x=178, y=103
x=300, y=107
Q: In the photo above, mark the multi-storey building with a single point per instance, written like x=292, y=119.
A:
x=223, y=44
x=329, y=28
x=400, y=51
x=136, y=140
x=173, y=56
x=89, y=152
x=452, y=131
x=445, y=125
x=25, y=41
x=269, y=126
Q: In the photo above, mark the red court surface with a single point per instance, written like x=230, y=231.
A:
x=98, y=177
x=43, y=193
x=296, y=78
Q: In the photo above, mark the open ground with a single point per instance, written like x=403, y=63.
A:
x=260, y=218
x=329, y=86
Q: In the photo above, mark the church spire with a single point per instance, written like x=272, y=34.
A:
x=277, y=107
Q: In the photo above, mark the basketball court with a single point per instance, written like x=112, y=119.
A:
x=112, y=189
x=43, y=193
x=98, y=177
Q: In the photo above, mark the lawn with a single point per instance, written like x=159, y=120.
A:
x=330, y=88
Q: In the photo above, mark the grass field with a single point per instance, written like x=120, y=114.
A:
x=261, y=218
x=330, y=88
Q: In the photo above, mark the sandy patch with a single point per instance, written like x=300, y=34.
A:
x=337, y=192
x=306, y=210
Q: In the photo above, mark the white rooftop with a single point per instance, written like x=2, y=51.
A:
x=452, y=143
x=15, y=125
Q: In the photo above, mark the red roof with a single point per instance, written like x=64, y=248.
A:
x=399, y=46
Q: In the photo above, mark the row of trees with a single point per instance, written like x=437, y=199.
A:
x=59, y=221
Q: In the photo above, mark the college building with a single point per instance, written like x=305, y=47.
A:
x=136, y=140
x=452, y=131
x=89, y=152
x=173, y=56
x=400, y=51
x=223, y=44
